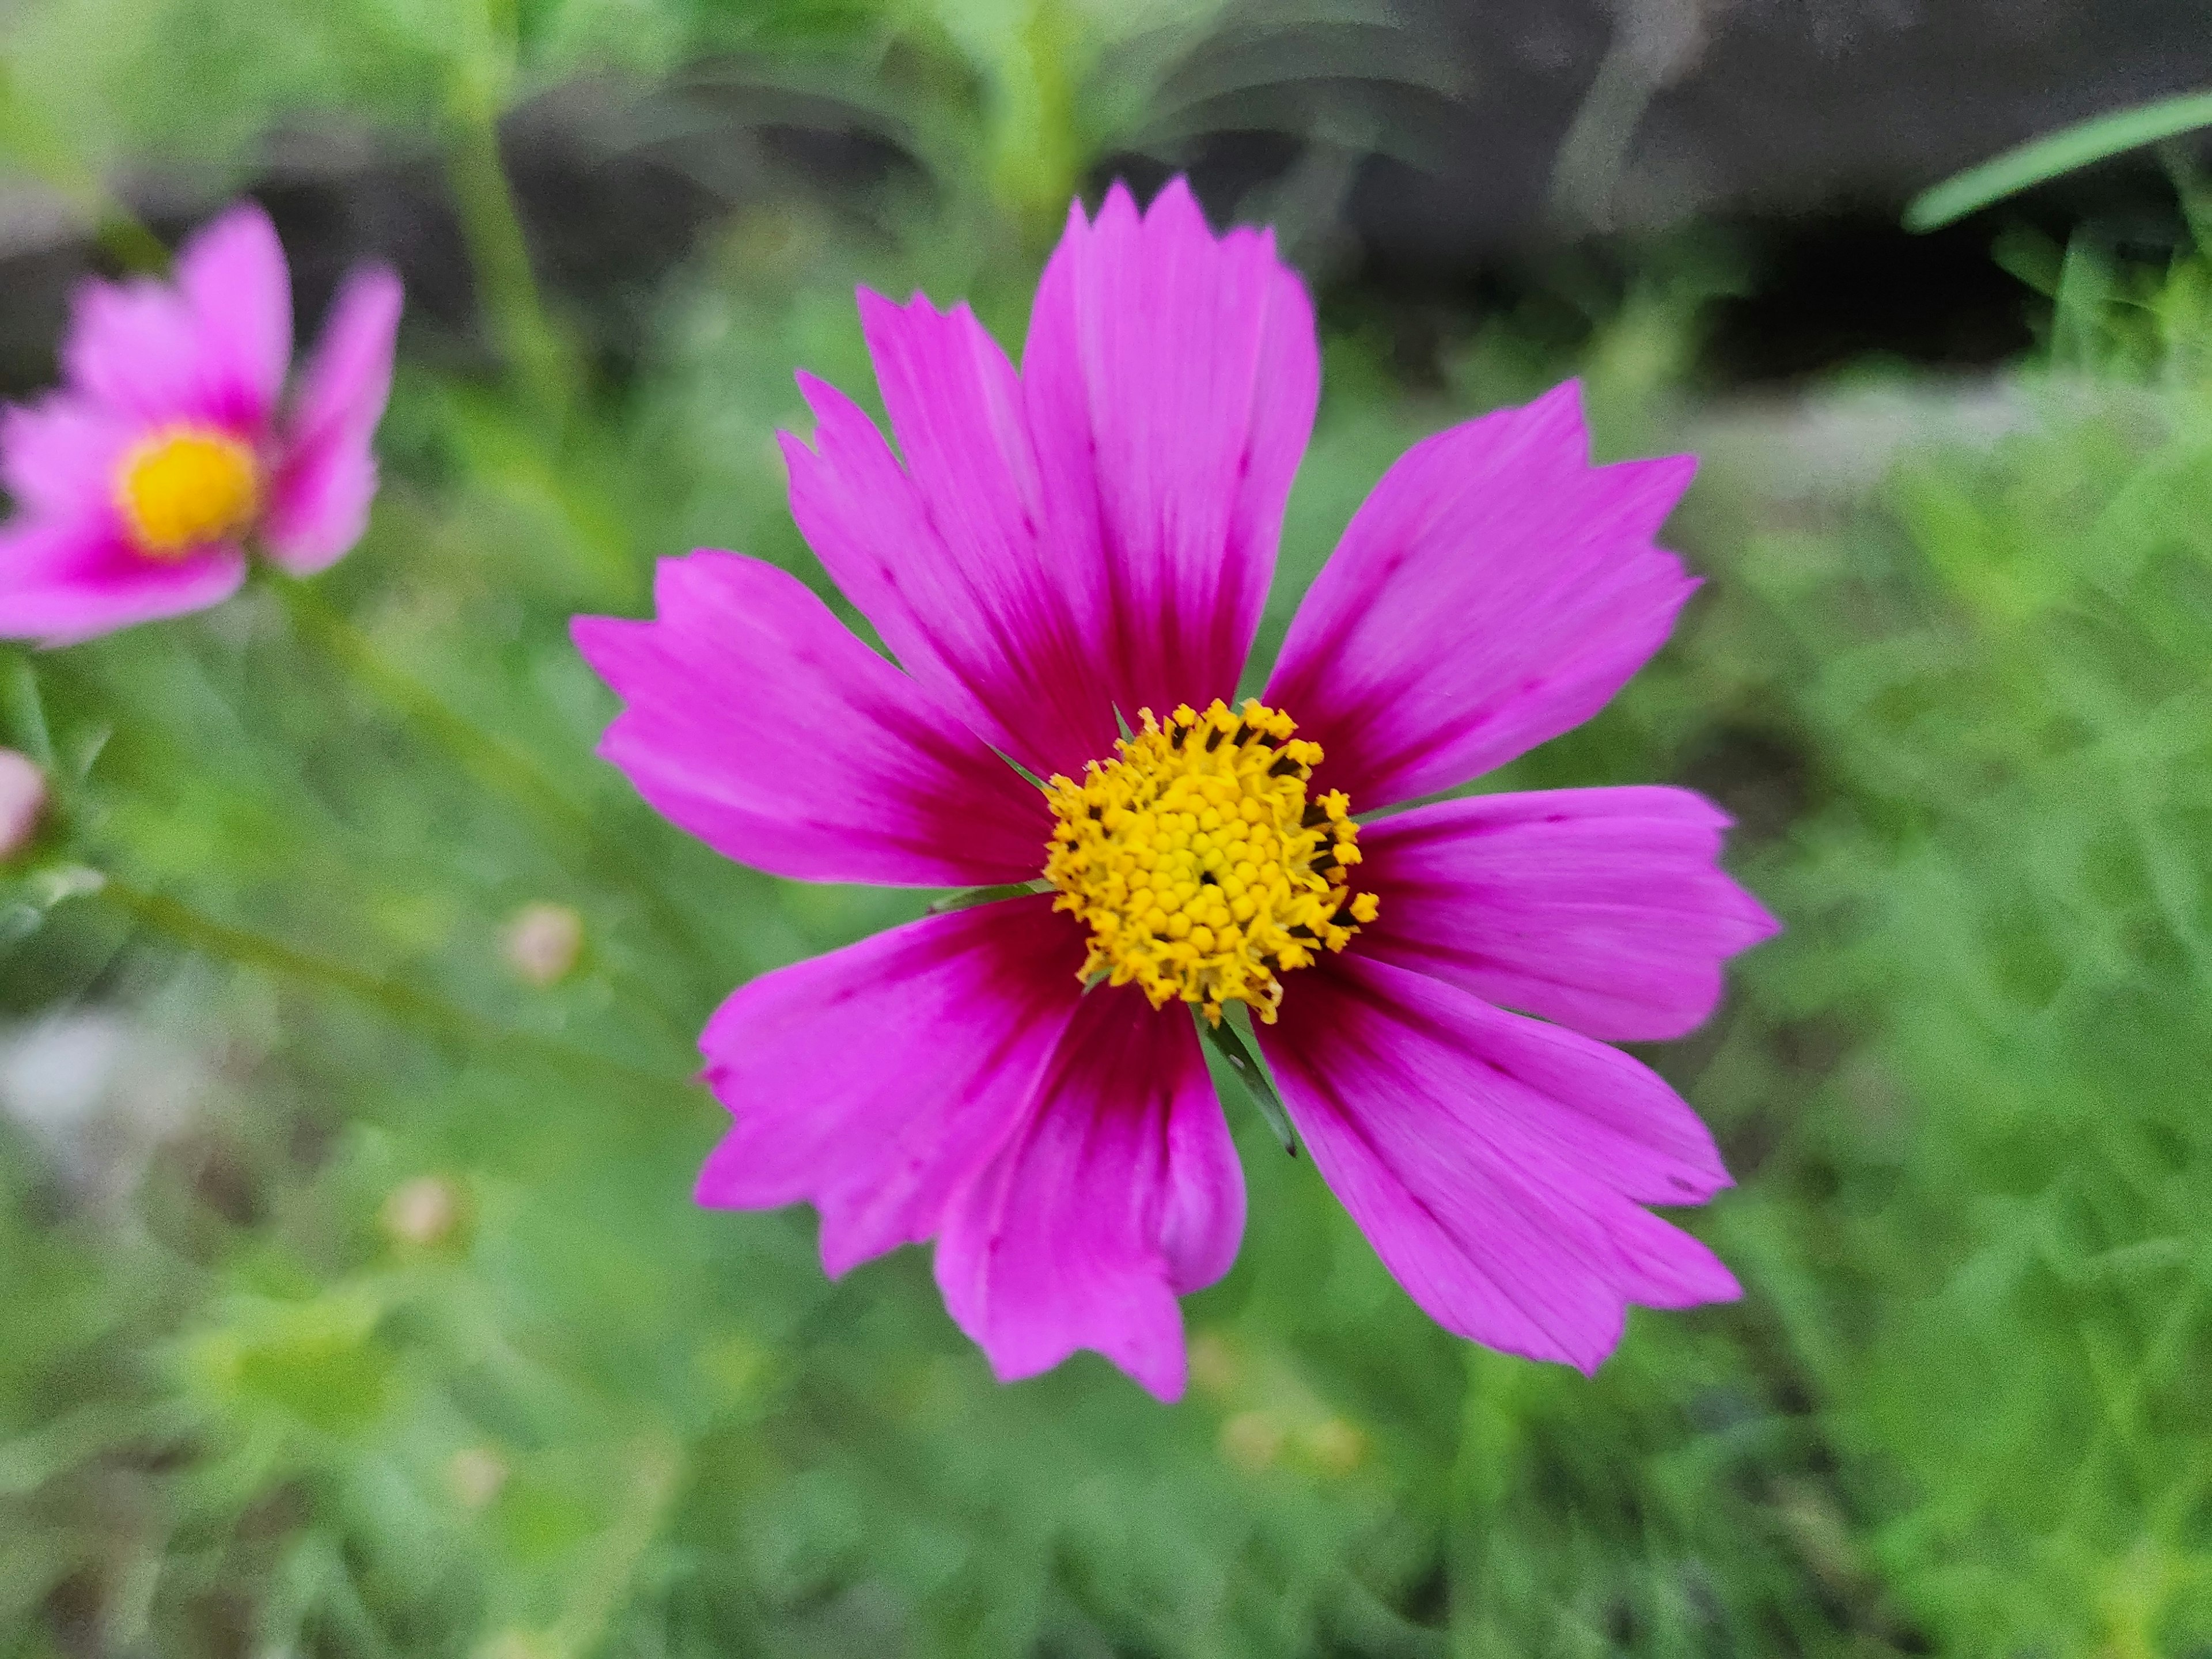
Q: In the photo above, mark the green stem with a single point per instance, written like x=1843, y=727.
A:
x=499, y=253
x=402, y=1003
x=496, y=764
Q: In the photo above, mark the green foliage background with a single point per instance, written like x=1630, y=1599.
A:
x=408, y=1341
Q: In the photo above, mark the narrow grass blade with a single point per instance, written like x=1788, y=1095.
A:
x=2055, y=154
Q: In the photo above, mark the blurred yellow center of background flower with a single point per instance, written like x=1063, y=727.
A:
x=187, y=487
x=1201, y=868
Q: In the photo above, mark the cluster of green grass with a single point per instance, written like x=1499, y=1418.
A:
x=401, y=1336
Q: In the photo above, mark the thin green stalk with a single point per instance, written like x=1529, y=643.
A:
x=499, y=253
x=493, y=763
x=1037, y=150
x=404, y=1004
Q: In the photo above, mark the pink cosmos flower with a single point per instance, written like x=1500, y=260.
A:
x=140, y=484
x=1093, y=538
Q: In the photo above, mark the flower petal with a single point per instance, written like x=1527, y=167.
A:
x=1170, y=379
x=60, y=584
x=327, y=476
x=212, y=348
x=758, y=722
x=232, y=274
x=59, y=458
x=1495, y=1163
x=943, y=556
x=874, y=1082
x=1605, y=909
x=1120, y=1190
x=1494, y=590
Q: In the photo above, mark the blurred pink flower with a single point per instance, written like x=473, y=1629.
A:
x=139, y=484
x=22, y=800
x=1094, y=537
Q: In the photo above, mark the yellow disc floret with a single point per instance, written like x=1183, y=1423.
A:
x=1201, y=868
x=186, y=487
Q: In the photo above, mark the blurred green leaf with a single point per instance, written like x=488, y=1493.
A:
x=2054, y=155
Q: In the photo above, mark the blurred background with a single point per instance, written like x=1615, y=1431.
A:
x=354, y=1300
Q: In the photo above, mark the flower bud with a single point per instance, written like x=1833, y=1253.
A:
x=474, y=1475
x=1253, y=1440
x=423, y=1212
x=543, y=943
x=22, y=801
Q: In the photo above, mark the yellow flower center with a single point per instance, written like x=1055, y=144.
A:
x=1201, y=868
x=186, y=487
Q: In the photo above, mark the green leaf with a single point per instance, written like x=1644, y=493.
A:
x=316, y=1361
x=967, y=897
x=2055, y=154
x=1230, y=1045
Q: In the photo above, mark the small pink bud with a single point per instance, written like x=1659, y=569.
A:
x=543, y=943
x=22, y=800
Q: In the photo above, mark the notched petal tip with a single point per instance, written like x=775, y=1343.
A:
x=1177, y=207
x=843, y=430
x=1646, y=492
x=1759, y=923
x=600, y=642
x=1120, y=203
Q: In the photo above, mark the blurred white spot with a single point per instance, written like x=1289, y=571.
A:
x=543, y=943
x=101, y=1091
x=474, y=1475
x=1253, y=1440
x=423, y=1211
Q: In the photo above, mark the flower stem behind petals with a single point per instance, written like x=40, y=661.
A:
x=499, y=255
